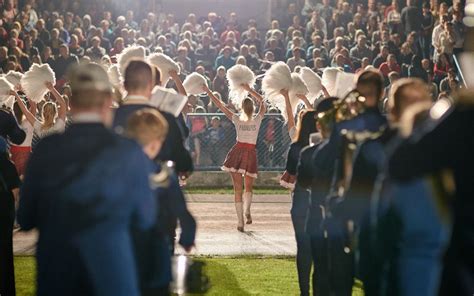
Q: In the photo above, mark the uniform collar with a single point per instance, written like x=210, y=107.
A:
x=136, y=100
x=87, y=117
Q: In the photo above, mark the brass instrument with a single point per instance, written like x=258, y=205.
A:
x=350, y=106
x=344, y=109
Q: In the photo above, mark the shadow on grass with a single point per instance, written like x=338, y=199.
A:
x=223, y=281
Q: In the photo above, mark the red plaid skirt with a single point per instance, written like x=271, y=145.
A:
x=242, y=158
x=20, y=156
x=288, y=181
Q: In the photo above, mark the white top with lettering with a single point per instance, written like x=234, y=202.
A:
x=247, y=131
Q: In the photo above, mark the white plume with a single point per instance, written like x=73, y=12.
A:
x=114, y=76
x=14, y=78
x=6, y=100
x=236, y=76
x=194, y=84
x=276, y=78
x=34, y=81
x=165, y=64
x=329, y=80
x=345, y=82
x=313, y=82
x=129, y=53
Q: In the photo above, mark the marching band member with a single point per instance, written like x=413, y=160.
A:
x=152, y=247
x=83, y=190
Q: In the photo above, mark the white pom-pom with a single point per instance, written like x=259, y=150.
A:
x=114, y=76
x=105, y=62
x=128, y=54
x=329, y=80
x=14, y=78
x=313, y=81
x=34, y=81
x=165, y=64
x=6, y=100
x=236, y=76
x=194, y=83
x=298, y=87
x=276, y=78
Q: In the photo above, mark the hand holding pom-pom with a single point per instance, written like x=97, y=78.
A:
x=246, y=87
x=33, y=82
x=284, y=92
x=167, y=66
x=276, y=78
x=193, y=83
x=49, y=85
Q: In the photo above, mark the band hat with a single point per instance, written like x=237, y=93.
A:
x=90, y=76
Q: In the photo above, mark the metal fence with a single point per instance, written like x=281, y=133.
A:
x=212, y=135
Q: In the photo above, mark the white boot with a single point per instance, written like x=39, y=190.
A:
x=247, y=197
x=240, y=216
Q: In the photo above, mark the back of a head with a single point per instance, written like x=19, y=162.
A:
x=248, y=108
x=370, y=84
x=139, y=76
x=324, y=116
x=406, y=92
x=90, y=86
x=306, y=126
x=147, y=125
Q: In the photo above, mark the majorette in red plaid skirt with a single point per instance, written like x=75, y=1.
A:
x=242, y=158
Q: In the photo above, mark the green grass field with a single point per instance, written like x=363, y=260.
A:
x=239, y=276
x=228, y=276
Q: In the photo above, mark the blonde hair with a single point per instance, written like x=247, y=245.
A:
x=50, y=111
x=247, y=108
x=146, y=126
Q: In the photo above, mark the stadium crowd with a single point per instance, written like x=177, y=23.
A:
x=382, y=42
x=401, y=39
x=352, y=35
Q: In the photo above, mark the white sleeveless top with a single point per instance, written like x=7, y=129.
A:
x=247, y=131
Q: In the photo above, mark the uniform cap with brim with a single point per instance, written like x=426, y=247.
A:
x=89, y=76
x=325, y=105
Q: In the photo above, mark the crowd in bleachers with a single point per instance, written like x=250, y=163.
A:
x=380, y=41
x=317, y=34
x=405, y=39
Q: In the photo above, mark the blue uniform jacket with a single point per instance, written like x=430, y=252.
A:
x=313, y=172
x=153, y=247
x=83, y=190
x=446, y=144
x=371, y=120
x=173, y=148
x=9, y=128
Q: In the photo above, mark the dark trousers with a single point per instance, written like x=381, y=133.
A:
x=7, y=218
x=161, y=291
x=299, y=211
